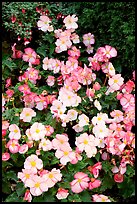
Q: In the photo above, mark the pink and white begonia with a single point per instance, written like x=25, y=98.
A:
x=37, y=131
x=27, y=196
x=13, y=146
x=80, y=182
x=49, y=130
x=72, y=114
x=115, y=82
x=62, y=193
x=27, y=114
x=83, y=120
x=37, y=185
x=29, y=55
x=57, y=106
x=45, y=144
x=14, y=132
x=97, y=105
x=100, y=198
x=100, y=118
x=95, y=169
x=5, y=156
x=50, y=80
x=23, y=148
x=88, y=39
x=52, y=177
x=107, y=51
x=65, y=154
x=26, y=175
x=100, y=130
x=60, y=141
x=88, y=144
x=33, y=163
x=44, y=24
x=70, y=22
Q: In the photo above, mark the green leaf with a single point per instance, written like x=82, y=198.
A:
x=74, y=198
x=42, y=50
x=20, y=189
x=14, y=198
x=97, y=156
x=11, y=175
x=85, y=196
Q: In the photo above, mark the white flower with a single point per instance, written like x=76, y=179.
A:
x=97, y=105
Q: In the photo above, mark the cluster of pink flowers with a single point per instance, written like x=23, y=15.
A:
x=36, y=178
x=108, y=134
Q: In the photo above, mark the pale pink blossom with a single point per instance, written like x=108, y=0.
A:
x=52, y=177
x=60, y=141
x=100, y=118
x=80, y=182
x=96, y=86
x=43, y=23
x=78, y=157
x=88, y=143
x=50, y=80
x=49, y=130
x=63, y=43
x=56, y=107
x=72, y=114
x=62, y=193
x=77, y=128
x=90, y=93
x=14, y=132
x=26, y=175
x=24, y=89
x=27, y=196
x=75, y=38
x=37, y=185
x=115, y=82
x=108, y=68
x=97, y=105
x=5, y=124
x=100, y=198
x=65, y=154
x=70, y=22
x=107, y=51
x=37, y=131
x=100, y=130
x=13, y=146
x=30, y=55
x=95, y=183
x=9, y=93
x=89, y=49
x=5, y=156
x=23, y=149
x=27, y=114
x=45, y=144
x=33, y=163
x=118, y=115
x=41, y=102
x=83, y=120
x=88, y=39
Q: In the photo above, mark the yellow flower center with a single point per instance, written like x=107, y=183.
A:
x=33, y=163
x=61, y=141
x=15, y=130
x=37, y=130
x=115, y=81
x=66, y=153
x=101, y=130
x=99, y=118
x=27, y=114
x=79, y=180
x=85, y=142
x=37, y=185
x=69, y=97
x=13, y=145
x=27, y=176
x=51, y=176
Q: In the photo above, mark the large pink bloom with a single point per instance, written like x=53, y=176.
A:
x=30, y=55
x=80, y=183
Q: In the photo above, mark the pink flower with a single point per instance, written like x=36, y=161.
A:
x=5, y=124
x=100, y=198
x=80, y=182
x=62, y=193
x=45, y=144
x=37, y=131
x=10, y=93
x=107, y=51
x=50, y=80
x=27, y=114
x=96, y=86
x=87, y=142
x=52, y=177
x=41, y=102
x=70, y=22
x=115, y=82
x=14, y=132
x=74, y=52
x=33, y=163
x=13, y=19
x=13, y=146
x=29, y=56
x=65, y=154
x=37, y=185
x=43, y=23
x=118, y=115
x=27, y=196
x=5, y=156
x=23, y=149
x=95, y=169
x=8, y=82
x=49, y=130
x=94, y=183
x=90, y=93
x=26, y=175
x=24, y=89
x=88, y=39
x=118, y=178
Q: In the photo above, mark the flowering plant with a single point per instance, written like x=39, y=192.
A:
x=67, y=120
